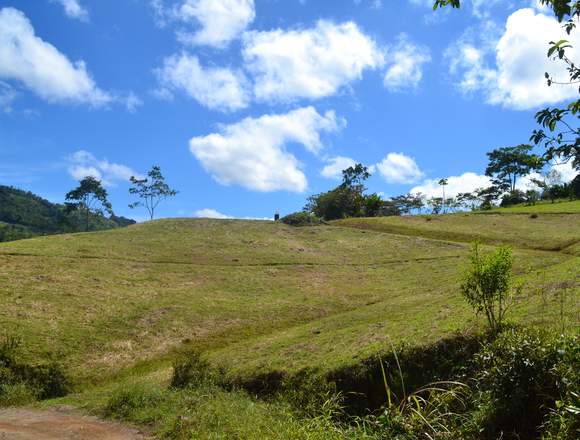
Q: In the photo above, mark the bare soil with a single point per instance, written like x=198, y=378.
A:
x=59, y=424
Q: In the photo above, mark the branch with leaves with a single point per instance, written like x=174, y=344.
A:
x=152, y=190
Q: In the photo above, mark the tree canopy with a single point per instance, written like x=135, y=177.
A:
x=89, y=197
x=152, y=190
x=508, y=163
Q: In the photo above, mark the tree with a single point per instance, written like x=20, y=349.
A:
x=346, y=200
x=488, y=196
x=488, y=286
x=436, y=204
x=508, y=163
x=551, y=184
x=443, y=183
x=89, y=197
x=468, y=200
x=152, y=191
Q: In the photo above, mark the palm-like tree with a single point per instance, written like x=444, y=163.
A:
x=443, y=182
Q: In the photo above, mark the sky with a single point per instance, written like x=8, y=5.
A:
x=251, y=106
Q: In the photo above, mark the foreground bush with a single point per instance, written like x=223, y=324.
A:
x=522, y=385
x=528, y=382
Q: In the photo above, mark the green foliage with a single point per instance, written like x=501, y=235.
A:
x=23, y=382
x=192, y=369
x=89, y=198
x=508, y=163
x=487, y=284
x=152, y=190
x=25, y=215
x=529, y=378
x=125, y=402
x=301, y=218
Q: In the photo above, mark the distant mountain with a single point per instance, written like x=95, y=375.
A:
x=24, y=214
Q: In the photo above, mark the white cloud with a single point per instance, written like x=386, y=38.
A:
x=210, y=213
x=218, y=21
x=308, y=63
x=41, y=67
x=73, y=9
x=467, y=182
x=7, y=97
x=335, y=166
x=399, y=168
x=405, y=62
x=133, y=102
x=83, y=164
x=252, y=153
x=510, y=70
x=566, y=170
x=215, y=88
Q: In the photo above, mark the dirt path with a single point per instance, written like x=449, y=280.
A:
x=29, y=424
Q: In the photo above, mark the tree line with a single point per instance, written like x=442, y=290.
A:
x=505, y=168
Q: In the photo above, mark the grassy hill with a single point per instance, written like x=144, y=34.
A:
x=262, y=298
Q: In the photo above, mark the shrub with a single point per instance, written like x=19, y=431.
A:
x=523, y=375
x=126, y=401
x=301, y=219
x=193, y=370
x=487, y=284
x=43, y=381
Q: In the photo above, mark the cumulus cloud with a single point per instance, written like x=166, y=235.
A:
x=566, y=170
x=404, y=63
x=83, y=164
x=252, y=153
x=73, y=9
x=214, y=88
x=399, y=168
x=210, y=213
x=466, y=182
x=213, y=214
x=335, y=166
x=509, y=71
x=308, y=63
x=41, y=67
x=217, y=21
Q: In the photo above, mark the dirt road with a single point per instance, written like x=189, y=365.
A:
x=30, y=424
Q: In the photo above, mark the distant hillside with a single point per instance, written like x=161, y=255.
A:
x=24, y=214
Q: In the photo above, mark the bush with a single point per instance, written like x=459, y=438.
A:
x=43, y=381
x=301, y=219
x=522, y=376
x=126, y=401
x=487, y=284
x=193, y=370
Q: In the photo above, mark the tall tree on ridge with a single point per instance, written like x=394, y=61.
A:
x=86, y=198
x=152, y=190
x=443, y=182
x=508, y=163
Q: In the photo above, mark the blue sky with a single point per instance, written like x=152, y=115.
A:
x=251, y=106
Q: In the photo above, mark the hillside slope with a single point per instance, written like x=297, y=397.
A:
x=258, y=296
x=24, y=214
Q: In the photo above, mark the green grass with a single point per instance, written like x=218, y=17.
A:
x=554, y=232
x=262, y=297
x=558, y=207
